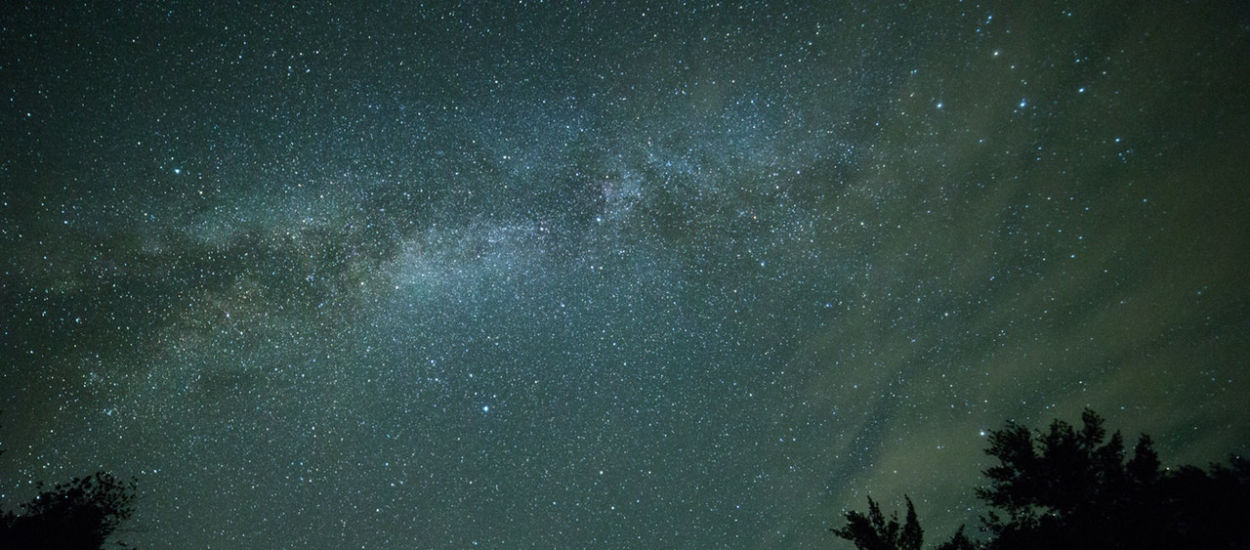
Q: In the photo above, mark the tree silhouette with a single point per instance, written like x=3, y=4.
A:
x=79, y=514
x=1069, y=488
x=873, y=532
x=1073, y=489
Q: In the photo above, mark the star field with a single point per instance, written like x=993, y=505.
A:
x=642, y=275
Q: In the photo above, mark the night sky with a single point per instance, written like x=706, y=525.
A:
x=546, y=275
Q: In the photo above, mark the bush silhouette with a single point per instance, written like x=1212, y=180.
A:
x=1070, y=488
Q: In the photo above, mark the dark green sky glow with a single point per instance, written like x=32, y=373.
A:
x=607, y=276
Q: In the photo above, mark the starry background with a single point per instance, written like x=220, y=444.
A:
x=534, y=275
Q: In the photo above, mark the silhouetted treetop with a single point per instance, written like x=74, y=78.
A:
x=1074, y=489
x=873, y=532
x=79, y=514
x=1062, y=471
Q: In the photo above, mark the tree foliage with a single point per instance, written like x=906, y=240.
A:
x=79, y=514
x=1077, y=488
x=873, y=532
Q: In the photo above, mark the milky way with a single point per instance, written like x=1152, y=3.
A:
x=556, y=276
